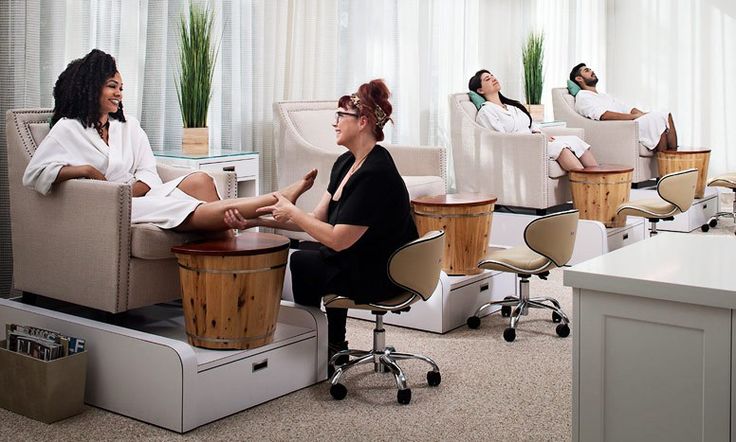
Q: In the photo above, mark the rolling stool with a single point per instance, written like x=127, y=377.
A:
x=728, y=181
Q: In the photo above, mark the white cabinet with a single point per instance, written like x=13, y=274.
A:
x=653, y=341
x=244, y=164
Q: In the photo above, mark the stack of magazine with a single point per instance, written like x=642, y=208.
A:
x=40, y=343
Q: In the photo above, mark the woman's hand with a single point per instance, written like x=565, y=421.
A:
x=90, y=172
x=281, y=211
x=234, y=219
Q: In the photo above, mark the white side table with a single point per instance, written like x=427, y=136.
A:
x=244, y=164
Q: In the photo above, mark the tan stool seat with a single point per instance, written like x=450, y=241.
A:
x=397, y=302
x=549, y=242
x=676, y=193
x=520, y=259
x=655, y=208
x=728, y=180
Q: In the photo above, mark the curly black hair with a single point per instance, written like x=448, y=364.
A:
x=78, y=88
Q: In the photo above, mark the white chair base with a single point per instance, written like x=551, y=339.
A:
x=384, y=360
x=521, y=306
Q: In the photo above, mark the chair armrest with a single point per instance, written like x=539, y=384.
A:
x=226, y=182
x=420, y=160
x=563, y=131
x=74, y=243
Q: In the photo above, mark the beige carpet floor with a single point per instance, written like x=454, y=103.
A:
x=490, y=390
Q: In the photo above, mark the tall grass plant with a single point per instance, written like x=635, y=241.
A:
x=198, y=54
x=532, y=55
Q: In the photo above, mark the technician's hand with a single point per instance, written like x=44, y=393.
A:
x=281, y=210
x=235, y=220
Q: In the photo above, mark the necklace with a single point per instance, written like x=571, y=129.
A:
x=101, y=128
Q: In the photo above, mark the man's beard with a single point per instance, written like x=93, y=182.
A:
x=590, y=81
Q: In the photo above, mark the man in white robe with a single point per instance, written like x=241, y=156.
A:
x=656, y=129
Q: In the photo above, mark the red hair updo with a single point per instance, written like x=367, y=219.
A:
x=371, y=102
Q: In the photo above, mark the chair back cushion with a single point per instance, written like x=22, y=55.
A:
x=678, y=188
x=416, y=266
x=553, y=236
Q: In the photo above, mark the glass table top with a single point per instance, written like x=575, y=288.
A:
x=221, y=153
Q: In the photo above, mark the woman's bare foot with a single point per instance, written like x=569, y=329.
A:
x=295, y=190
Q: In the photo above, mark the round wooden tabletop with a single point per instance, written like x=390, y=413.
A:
x=245, y=243
x=686, y=150
x=456, y=199
x=605, y=168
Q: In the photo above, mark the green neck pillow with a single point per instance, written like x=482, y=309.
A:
x=477, y=99
x=573, y=88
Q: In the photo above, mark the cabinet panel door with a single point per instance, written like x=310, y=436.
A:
x=651, y=370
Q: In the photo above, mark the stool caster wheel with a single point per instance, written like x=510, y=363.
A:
x=434, y=378
x=404, y=396
x=509, y=334
x=473, y=322
x=713, y=222
x=705, y=227
x=563, y=330
x=506, y=311
x=556, y=317
x=338, y=391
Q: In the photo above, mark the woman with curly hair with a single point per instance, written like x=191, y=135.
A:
x=91, y=138
x=362, y=218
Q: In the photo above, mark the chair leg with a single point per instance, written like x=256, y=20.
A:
x=384, y=359
x=653, y=228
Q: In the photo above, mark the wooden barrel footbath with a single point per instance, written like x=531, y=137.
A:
x=466, y=219
x=670, y=161
x=231, y=289
x=598, y=191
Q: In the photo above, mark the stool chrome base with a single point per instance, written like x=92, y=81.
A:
x=713, y=221
x=521, y=306
x=384, y=360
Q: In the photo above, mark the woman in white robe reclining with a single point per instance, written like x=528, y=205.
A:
x=505, y=115
x=91, y=138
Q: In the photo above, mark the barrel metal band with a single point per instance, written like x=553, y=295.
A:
x=600, y=183
x=452, y=215
x=221, y=340
x=227, y=272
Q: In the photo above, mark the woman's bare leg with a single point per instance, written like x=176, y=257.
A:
x=671, y=134
x=588, y=159
x=662, y=145
x=200, y=186
x=568, y=160
x=211, y=216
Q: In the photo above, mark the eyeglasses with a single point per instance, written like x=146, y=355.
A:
x=339, y=115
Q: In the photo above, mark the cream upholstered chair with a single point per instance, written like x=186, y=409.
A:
x=549, y=244
x=676, y=193
x=612, y=142
x=77, y=244
x=729, y=182
x=416, y=268
x=514, y=167
x=305, y=139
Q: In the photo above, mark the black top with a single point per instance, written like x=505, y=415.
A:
x=375, y=196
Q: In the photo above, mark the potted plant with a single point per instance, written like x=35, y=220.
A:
x=532, y=56
x=198, y=55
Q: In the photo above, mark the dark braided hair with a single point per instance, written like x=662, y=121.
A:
x=475, y=83
x=78, y=88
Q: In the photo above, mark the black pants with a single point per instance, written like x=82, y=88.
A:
x=311, y=279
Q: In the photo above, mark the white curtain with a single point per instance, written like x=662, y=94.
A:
x=679, y=56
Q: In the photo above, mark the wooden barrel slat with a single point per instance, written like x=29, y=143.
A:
x=466, y=220
x=225, y=307
x=675, y=161
x=598, y=192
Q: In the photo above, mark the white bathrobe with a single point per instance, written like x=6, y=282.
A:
x=651, y=125
x=513, y=120
x=127, y=159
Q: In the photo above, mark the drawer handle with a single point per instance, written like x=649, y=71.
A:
x=228, y=169
x=257, y=366
x=705, y=206
x=626, y=236
x=484, y=287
